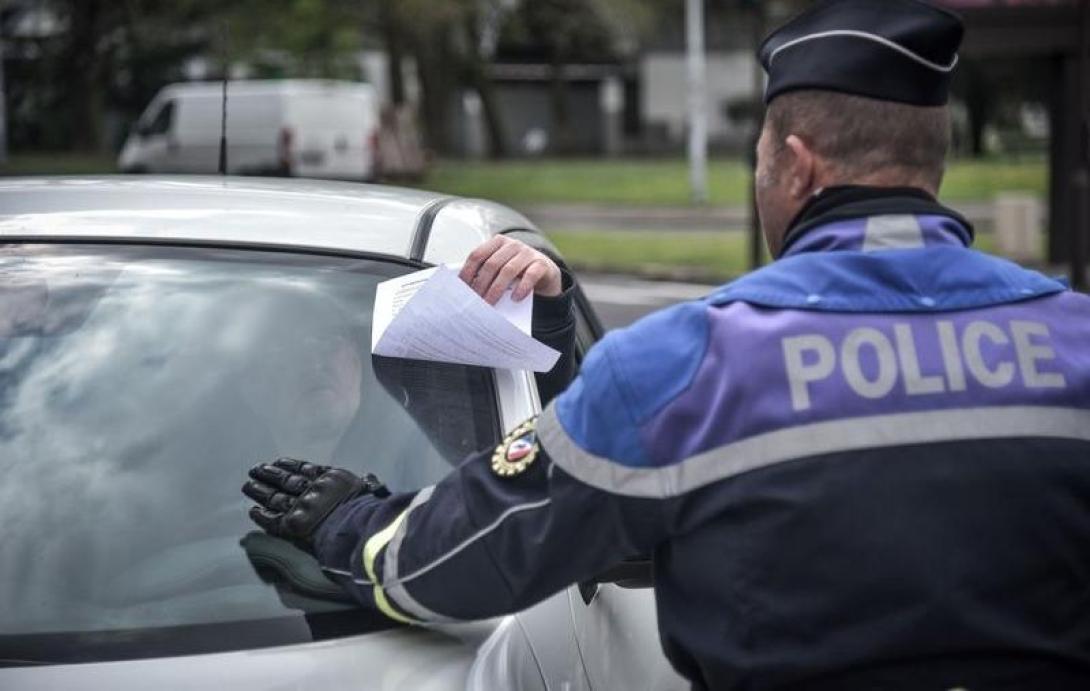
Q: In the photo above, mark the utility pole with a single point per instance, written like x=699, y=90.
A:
x=756, y=238
x=696, y=72
x=223, y=102
x=1078, y=233
x=3, y=105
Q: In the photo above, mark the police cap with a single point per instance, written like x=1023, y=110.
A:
x=891, y=50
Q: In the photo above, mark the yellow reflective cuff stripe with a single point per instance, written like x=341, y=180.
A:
x=374, y=545
x=386, y=608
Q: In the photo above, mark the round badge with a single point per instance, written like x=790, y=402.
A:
x=517, y=452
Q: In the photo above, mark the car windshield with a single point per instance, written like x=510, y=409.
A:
x=137, y=386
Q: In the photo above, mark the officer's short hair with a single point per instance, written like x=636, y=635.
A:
x=860, y=135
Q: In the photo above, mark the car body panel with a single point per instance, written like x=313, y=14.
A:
x=537, y=640
x=404, y=659
x=617, y=632
x=462, y=224
x=250, y=211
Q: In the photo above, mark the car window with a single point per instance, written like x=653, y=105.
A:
x=137, y=386
x=162, y=121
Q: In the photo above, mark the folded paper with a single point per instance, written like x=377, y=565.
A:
x=433, y=315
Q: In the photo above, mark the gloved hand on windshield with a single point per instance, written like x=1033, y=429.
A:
x=294, y=497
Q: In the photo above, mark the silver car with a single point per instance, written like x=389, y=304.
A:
x=160, y=335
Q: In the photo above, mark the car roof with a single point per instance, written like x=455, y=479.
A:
x=295, y=213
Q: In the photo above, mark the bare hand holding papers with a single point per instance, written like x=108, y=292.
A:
x=433, y=315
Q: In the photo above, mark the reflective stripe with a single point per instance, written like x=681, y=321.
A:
x=869, y=37
x=395, y=589
x=393, y=585
x=346, y=574
x=803, y=441
x=371, y=549
x=892, y=232
x=483, y=532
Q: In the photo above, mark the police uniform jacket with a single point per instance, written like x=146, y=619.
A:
x=866, y=465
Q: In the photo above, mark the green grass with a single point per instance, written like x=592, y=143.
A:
x=685, y=255
x=981, y=180
x=693, y=255
x=666, y=181
x=604, y=181
x=985, y=242
x=588, y=181
x=59, y=164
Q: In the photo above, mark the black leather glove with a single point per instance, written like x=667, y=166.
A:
x=294, y=497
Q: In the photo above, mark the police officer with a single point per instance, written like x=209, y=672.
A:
x=864, y=466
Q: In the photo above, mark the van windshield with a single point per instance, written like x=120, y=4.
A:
x=137, y=386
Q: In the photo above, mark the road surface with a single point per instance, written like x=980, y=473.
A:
x=620, y=300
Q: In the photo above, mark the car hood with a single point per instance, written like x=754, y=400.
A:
x=401, y=659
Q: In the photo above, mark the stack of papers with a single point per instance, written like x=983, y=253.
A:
x=433, y=315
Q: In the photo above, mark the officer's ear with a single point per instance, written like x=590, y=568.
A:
x=801, y=167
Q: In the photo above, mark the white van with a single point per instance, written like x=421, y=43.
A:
x=300, y=127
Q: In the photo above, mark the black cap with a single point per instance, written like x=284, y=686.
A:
x=891, y=50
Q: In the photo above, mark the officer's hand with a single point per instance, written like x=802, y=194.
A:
x=294, y=497
x=502, y=262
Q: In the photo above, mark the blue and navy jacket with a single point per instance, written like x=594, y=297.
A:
x=867, y=464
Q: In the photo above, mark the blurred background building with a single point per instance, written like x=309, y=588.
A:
x=486, y=77
x=524, y=79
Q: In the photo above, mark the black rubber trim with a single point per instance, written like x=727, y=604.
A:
x=205, y=244
x=423, y=227
x=76, y=647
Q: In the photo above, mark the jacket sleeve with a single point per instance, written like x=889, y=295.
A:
x=477, y=545
x=480, y=544
x=554, y=325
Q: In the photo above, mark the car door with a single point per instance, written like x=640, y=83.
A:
x=615, y=625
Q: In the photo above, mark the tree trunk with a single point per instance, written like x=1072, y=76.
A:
x=83, y=67
x=478, y=78
x=558, y=96
x=977, y=123
x=395, y=52
x=978, y=104
x=437, y=73
x=493, y=119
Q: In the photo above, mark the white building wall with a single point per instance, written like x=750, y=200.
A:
x=663, y=85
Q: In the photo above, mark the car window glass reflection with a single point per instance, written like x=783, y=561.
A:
x=138, y=385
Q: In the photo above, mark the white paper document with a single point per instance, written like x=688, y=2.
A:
x=433, y=315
